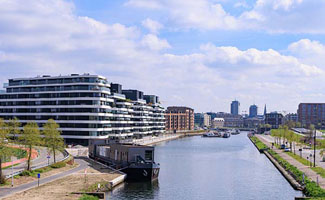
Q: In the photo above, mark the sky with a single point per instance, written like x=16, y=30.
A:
x=197, y=53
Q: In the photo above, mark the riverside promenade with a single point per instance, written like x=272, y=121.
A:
x=163, y=138
x=154, y=140
x=305, y=169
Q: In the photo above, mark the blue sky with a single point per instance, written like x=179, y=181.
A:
x=197, y=53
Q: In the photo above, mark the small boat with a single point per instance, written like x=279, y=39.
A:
x=235, y=131
x=226, y=134
x=211, y=134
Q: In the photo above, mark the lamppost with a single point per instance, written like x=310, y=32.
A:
x=310, y=156
x=315, y=149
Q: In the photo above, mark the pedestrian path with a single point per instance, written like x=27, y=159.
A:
x=8, y=191
x=305, y=169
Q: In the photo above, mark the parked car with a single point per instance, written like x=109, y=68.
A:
x=287, y=149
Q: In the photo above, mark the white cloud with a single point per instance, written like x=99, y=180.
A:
x=154, y=43
x=47, y=37
x=192, y=13
x=275, y=16
x=152, y=25
x=306, y=47
x=148, y=4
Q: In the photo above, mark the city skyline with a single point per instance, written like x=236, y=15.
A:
x=230, y=49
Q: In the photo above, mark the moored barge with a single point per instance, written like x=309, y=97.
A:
x=137, y=161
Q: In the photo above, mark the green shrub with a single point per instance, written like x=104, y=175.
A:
x=58, y=165
x=88, y=197
x=311, y=188
x=260, y=145
x=26, y=173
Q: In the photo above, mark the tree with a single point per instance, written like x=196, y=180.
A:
x=290, y=138
x=52, y=137
x=4, y=150
x=14, y=126
x=30, y=138
x=298, y=124
x=311, y=131
x=322, y=146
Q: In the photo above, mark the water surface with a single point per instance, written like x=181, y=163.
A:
x=210, y=168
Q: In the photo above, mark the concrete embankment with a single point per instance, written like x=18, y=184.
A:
x=289, y=178
x=295, y=184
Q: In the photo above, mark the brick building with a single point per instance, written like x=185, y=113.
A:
x=311, y=113
x=179, y=118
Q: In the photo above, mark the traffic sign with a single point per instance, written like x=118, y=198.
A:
x=38, y=177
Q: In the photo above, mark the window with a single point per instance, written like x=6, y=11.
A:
x=148, y=155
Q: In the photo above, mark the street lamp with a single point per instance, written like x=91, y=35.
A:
x=310, y=156
x=315, y=149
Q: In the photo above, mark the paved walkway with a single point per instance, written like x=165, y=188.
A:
x=305, y=152
x=39, y=161
x=83, y=164
x=305, y=169
x=154, y=140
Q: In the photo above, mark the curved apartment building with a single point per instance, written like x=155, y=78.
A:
x=83, y=105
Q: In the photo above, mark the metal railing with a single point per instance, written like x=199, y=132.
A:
x=66, y=156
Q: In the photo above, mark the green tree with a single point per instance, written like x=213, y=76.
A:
x=322, y=146
x=52, y=137
x=290, y=138
x=4, y=151
x=298, y=124
x=30, y=138
x=14, y=126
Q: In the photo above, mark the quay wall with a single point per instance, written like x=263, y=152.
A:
x=286, y=175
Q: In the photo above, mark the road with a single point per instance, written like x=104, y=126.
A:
x=39, y=161
x=305, y=152
x=83, y=164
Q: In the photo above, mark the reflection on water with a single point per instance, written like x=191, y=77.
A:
x=210, y=168
x=143, y=190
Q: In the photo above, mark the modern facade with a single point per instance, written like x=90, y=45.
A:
x=85, y=106
x=179, y=118
x=311, y=113
x=234, y=107
x=274, y=119
x=253, y=111
x=199, y=119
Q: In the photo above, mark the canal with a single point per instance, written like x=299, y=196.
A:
x=210, y=168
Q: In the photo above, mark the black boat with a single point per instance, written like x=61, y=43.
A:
x=137, y=161
x=142, y=171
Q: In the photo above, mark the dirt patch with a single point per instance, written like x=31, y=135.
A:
x=63, y=187
x=19, y=180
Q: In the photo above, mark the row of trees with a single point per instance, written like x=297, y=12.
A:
x=29, y=136
x=284, y=135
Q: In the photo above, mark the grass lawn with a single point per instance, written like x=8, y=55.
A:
x=319, y=170
x=260, y=145
x=301, y=160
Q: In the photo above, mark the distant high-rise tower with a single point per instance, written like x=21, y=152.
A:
x=234, y=107
x=265, y=110
x=253, y=111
